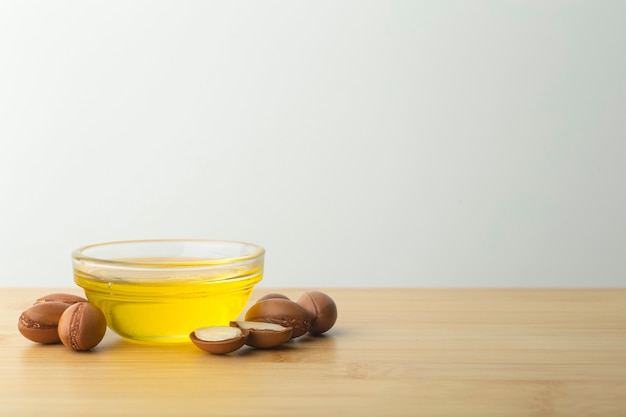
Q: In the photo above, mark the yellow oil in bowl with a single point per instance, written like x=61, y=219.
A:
x=163, y=299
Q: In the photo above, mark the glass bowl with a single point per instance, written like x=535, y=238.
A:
x=162, y=290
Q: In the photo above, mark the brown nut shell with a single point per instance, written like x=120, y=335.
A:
x=39, y=322
x=264, y=335
x=216, y=343
x=60, y=298
x=287, y=313
x=322, y=308
x=273, y=295
x=82, y=326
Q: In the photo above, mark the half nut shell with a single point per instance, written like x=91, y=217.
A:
x=287, y=313
x=219, y=339
x=264, y=335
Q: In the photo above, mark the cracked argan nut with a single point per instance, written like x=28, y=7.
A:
x=322, y=308
x=60, y=298
x=264, y=335
x=219, y=339
x=82, y=326
x=287, y=313
x=39, y=322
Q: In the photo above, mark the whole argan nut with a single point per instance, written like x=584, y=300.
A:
x=82, y=326
x=60, y=298
x=264, y=335
x=273, y=295
x=219, y=339
x=287, y=313
x=322, y=308
x=39, y=322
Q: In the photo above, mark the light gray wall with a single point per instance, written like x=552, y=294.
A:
x=363, y=143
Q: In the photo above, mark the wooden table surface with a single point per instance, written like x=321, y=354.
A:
x=393, y=352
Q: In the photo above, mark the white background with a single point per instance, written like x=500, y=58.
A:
x=418, y=143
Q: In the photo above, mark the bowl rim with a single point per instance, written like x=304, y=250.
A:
x=78, y=254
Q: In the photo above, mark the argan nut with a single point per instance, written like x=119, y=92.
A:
x=322, y=308
x=287, y=313
x=264, y=335
x=82, y=326
x=273, y=295
x=60, y=298
x=39, y=322
x=219, y=339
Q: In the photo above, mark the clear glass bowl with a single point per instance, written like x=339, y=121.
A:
x=162, y=290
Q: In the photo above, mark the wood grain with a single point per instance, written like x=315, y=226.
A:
x=393, y=352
